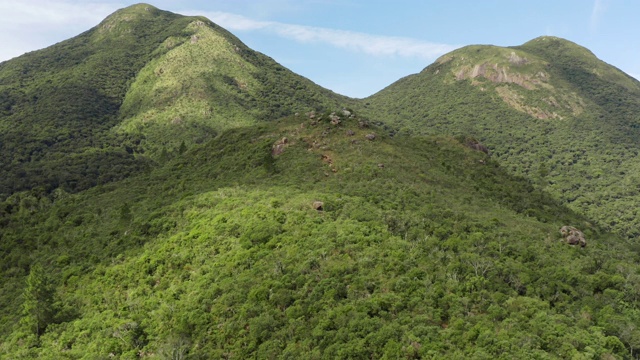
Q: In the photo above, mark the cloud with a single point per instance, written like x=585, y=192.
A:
x=34, y=24
x=374, y=45
x=598, y=10
x=53, y=13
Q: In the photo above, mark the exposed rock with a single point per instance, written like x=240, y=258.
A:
x=370, y=137
x=381, y=166
x=363, y=124
x=318, y=205
x=498, y=74
x=346, y=112
x=194, y=39
x=334, y=119
x=516, y=101
x=573, y=236
x=350, y=133
x=279, y=146
x=517, y=60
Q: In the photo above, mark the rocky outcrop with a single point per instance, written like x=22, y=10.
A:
x=279, y=146
x=573, y=236
x=517, y=60
x=500, y=74
x=334, y=119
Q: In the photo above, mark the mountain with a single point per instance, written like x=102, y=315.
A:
x=249, y=213
x=548, y=110
x=134, y=89
x=316, y=236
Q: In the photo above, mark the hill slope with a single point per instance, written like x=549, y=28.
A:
x=549, y=110
x=100, y=106
x=237, y=259
x=313, y=235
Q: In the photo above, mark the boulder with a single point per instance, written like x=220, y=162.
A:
x=279, y=146
x=317, y=205
x=573, y=236
x=334, y=119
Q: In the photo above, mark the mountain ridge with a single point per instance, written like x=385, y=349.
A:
x=98, y=68
x=192, y=198
x=565, y=121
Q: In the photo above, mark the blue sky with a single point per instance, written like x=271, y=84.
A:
x=356, y=47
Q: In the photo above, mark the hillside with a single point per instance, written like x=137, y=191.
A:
x=136, y=89
x=421, y=247
x=172, y=194
x=549, y=110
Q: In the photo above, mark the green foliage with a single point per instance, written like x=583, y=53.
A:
x=423, y=248
x=101, y=106
x=563, y=119
x=160, y=210
x=37, y=306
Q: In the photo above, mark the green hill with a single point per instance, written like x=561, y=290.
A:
x=172, y=194
x=421, y=247
x=107, y=103
x=549, y=110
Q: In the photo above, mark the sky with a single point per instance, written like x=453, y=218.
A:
x=356, y=47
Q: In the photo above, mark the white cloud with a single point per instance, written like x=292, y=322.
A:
x=52, y=13
x=375, y=45
x=598, y=10
x=27, y=25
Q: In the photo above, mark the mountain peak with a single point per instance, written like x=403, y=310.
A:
x=140, y=8
x=547, y=44
x=573, y=57
x=121, y=20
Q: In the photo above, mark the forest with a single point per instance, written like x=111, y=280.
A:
x=232, y=209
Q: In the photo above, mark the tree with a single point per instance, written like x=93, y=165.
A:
x=37, y=308
x=183, y=148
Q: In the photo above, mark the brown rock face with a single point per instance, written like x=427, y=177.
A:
x=279, y=146
x=573, y=236
x=498, y=74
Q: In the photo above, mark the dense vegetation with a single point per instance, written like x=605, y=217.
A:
x=133, y=90
x=168, y=193
x=573, y=130
x=233, y=260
